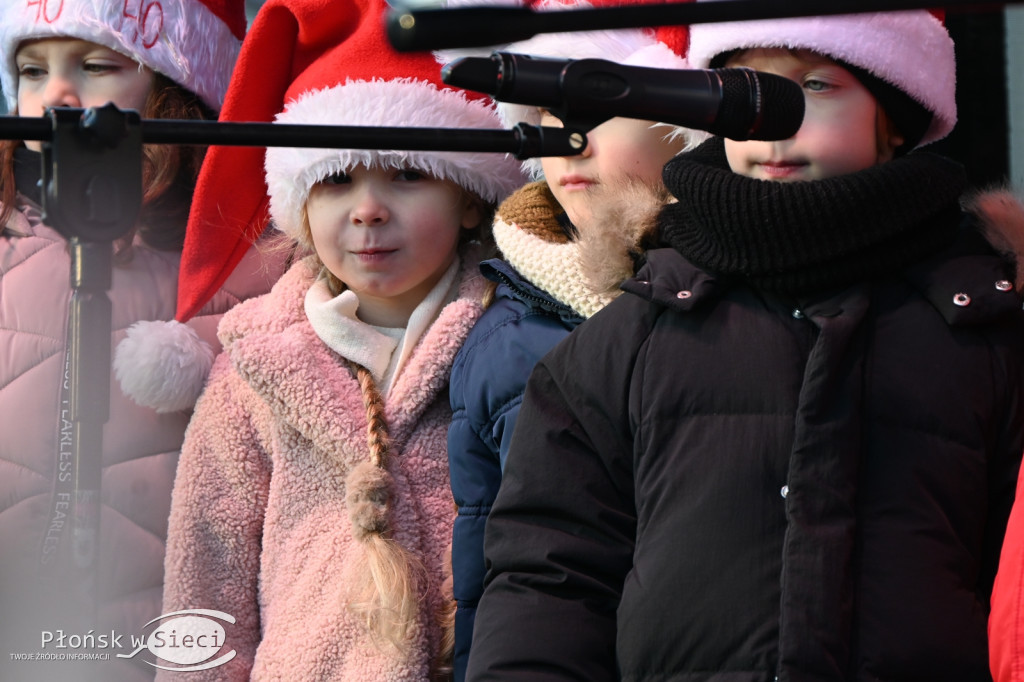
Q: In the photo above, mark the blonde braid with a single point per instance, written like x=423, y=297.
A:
x=386, y=595
x=378, y=437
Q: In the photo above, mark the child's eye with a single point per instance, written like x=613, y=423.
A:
x=100, y=67
x=409, y=175
x=337, y=179
x=31, y=72
x=816, y=85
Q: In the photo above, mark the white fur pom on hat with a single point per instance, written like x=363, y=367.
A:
x=910, y=50
x=192, y=42
x=162, y=365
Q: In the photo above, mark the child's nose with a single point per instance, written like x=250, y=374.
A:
x=61, y=91
x=369, y=209
x=588, y=150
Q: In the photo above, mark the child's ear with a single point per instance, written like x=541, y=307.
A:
x=896, y=140
x=472, y=216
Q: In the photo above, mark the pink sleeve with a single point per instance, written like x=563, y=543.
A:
x=216, y=523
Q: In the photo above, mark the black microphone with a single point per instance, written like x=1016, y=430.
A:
x=740, y=104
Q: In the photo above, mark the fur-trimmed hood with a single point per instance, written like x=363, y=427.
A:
x=1000, y=213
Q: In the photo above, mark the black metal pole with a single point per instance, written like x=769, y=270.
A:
x=461, y=27
x=523, y=141
x=92, y=193
x=89, y=325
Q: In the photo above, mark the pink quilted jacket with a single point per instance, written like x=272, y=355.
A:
x=259, y=527
x=140, y=447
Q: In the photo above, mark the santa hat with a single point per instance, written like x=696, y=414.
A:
x=303, y=61
x=909, y=50
x=192, y=42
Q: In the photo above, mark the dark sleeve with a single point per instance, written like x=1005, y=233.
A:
x=559, y=540
x=487, y=384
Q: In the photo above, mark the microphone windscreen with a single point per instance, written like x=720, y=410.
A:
x=758, y=106
x=782, y=108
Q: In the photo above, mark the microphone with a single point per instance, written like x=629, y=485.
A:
x=740, y=104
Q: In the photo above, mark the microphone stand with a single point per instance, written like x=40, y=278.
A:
x=523, y=141
x=92, y=194
x=463, y=27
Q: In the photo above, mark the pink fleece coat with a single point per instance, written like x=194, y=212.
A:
x=259, y=527
x=140, y=447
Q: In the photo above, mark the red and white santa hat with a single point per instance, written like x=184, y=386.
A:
x=192, y=42
x=323, y=62
x=910, y=50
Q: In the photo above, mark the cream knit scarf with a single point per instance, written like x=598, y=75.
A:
x=527, y=232
x=383, y=351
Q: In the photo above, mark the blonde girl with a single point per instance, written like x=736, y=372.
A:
x=312, y=501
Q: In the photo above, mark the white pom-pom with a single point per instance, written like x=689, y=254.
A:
x=163, y=365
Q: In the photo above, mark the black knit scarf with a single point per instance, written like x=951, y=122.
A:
x=803, y=237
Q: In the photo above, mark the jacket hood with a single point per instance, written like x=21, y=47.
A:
x=1000, y=214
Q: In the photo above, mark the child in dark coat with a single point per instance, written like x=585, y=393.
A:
x=789, y=451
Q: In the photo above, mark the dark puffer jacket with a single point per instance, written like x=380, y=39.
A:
x=711, y=482
x=814, y=510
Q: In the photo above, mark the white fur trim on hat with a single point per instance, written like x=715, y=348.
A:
x=910, y=50
x=163, y=365
x=182, y=39
x=292, y=172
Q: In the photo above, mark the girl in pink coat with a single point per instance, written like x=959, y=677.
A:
x=312, y=503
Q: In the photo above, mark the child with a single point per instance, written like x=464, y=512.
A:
x=83, y=54
x=566, y=246
x=312, y=501
x=789, y=451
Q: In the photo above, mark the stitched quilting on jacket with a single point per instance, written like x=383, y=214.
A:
x=259, y=527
